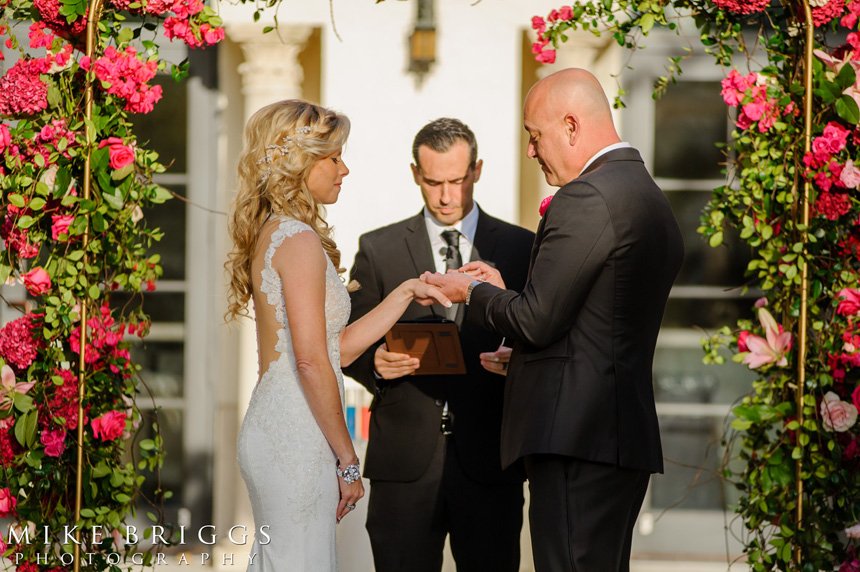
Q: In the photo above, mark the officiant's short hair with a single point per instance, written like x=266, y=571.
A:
x=441, y=134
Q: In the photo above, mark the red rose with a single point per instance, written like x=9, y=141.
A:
x=37, y=281
x=120, y=153
x=7, y=502
x=109, y=426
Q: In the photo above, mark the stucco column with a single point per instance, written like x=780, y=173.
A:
x=271, y=70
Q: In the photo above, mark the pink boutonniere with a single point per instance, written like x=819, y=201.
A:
x=544, y=204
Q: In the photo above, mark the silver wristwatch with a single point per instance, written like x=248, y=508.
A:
x=471, y=287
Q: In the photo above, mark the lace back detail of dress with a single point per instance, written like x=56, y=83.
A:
x=271, y=282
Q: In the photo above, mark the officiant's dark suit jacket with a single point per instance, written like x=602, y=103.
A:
x=606, y=253
x=406, y=412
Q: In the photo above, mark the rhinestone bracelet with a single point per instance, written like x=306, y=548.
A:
x=350, y=473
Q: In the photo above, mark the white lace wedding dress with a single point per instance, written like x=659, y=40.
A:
x=287, y=464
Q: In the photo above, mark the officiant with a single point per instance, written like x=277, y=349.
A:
x=433, y=452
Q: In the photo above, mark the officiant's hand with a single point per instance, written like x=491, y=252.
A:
x=391, y=365
x=497, y=361
x=485, y=273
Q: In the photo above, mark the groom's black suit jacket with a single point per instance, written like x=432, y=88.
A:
x=585, y=326
x=406, y=412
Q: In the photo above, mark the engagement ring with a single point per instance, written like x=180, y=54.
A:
x=350, y=506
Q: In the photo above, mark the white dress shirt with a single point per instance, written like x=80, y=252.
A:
x=467, y=227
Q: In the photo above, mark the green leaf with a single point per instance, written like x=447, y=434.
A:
x=122, y=173
x=25, y=428
x=94, y=292
x=37, y=204
x=716, y=239
x=88, y=513
x=26, y=221
x=115, y=201
x=23, y=403
x=646, y=22
x=147, y=444
x=160, y=195
x=847, y=109
x=16, y=200
x=846, y=77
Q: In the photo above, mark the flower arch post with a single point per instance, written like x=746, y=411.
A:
x=792, y=197
x=94, y=11
x=75, y=185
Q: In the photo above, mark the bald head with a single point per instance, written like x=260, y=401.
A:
x=568, y=119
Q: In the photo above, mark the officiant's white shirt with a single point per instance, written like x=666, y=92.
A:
x=467, y=227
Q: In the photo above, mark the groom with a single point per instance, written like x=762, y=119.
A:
x=579, y=403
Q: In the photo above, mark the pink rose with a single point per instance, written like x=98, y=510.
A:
x=54, y=442
x=7, y=502
x=849, y=302
x=565, y=12
x=120, y=153
x=837, y=415
x=850, y=175
x=60, y=225
x=538, y=24
x=37, y=281
x=109, y=426
x=544, y=204
x=762, y=302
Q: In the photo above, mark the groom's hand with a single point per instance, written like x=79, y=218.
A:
x=391, y=365
x=453, y=284
x=485, y=273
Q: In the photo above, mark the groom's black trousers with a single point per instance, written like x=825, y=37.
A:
x=408, y=522
x=582, y=514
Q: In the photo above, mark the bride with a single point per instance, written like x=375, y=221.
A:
x=295, y=453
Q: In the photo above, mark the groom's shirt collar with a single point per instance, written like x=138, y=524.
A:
x=604, y=151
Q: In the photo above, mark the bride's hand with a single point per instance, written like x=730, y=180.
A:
x=426, y=294
x=349, y=496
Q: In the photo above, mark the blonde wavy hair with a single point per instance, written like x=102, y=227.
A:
x=283, y=141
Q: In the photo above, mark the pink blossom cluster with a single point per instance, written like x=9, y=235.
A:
x=195, y=36
x=103, y=342
x=9, y=446
x=22, y=92
x=831, y=176
x=49, y=10
x=17, y=239
x=849, y=20
x=19, y=344
x=60, y=408
x=38, y=37
x=542, y=53
x=127, y=76
x=823, y=14
x=744, y=7
x=749, y=93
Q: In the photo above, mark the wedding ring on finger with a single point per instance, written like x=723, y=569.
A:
x=350, y=506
